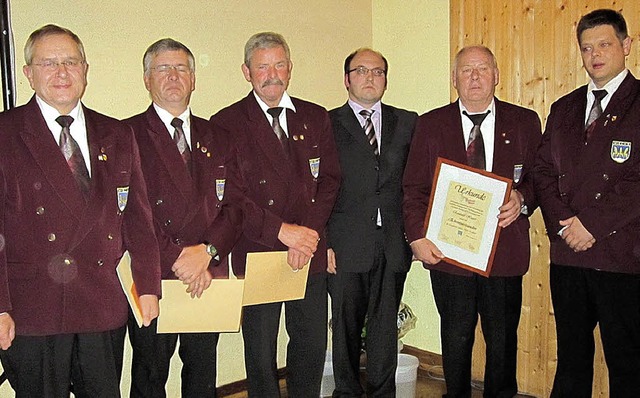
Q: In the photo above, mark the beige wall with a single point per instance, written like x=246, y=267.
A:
x=412, y=34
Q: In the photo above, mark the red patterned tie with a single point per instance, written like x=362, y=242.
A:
x=594, y=113
x=181, y=141
x=475, y=149
x=73, y=155
x=277, y=128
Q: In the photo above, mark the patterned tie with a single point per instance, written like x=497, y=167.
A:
x=594, y=113
x=369, y=131
x=73, y=155
x=475, y=148
x=277, y=128
x=181, y=141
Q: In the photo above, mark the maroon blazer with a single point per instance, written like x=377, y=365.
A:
x=439, y=133
x=188, y=209
x=57, y=269
x=599, y=182
x=280, y=189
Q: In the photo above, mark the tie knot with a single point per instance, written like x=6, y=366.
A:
x=476, y=118
x=599, y=94
x=275, y=112
x=64, y=120
x=177, y=122
x=366, y=113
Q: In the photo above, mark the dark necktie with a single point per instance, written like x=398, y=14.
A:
x=594, y=113
x=277, y=128
x=369, y=131
x=181, y=141
x=475, y=149
x=73, y=155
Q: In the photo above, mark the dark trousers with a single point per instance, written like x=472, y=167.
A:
x=152, y=354
x=46, y=366
x=374, y=295
x=498, y=301
x=306, y=324
x=581, y=299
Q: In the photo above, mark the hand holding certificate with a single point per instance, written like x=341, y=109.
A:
x=462, y=220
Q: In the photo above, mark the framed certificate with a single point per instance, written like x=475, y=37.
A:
x=462, y=220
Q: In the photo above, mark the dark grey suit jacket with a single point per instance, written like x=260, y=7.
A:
x=369, y=184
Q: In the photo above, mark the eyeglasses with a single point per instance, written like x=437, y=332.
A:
x=51, y=65
x=165, y=68
x=364, y=71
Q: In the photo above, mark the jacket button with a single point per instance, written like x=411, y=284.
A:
x=598, y=195
x=377, y=192
x=100, y=263
x=563, y=194
x=377, y=167
x=177, y=241
x=40, y=211
x=167, y=223
x=270, y=202
x=51, y=237
x=313, y=200
x=605, y=177
x=109, y=237
x=159, y=202
x=263, y=182
x=67, y=261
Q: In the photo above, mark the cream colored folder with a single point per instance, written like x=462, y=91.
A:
x=268, y=279
x=219, y=308
x=128, y=286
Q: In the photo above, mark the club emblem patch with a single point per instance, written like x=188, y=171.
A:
x=314, y=165
x=517, y=173
x=620, y=151
x=123, y=195
x=220, y=188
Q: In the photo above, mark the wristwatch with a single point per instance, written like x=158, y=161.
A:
x=211, y=250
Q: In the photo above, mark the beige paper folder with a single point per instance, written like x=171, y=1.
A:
x=268, y=279
x=128, y=286
x=219, y=308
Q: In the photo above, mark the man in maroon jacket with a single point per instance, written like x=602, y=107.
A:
x=192, y=184
x=67, y=214
x=510, y=138
x=289, y=167
x=587, y=176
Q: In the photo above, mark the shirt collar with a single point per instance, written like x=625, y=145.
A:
x=611, y=86
x=491, y=107
x=377, y=107
x=50, y=114
x=167, y=117
x=285, y=102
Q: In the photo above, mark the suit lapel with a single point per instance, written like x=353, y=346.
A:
x=452, y=133
x=168, y=153
x=201, y=167
x=389, y=123
x=263, y=135
x=101, y=141
x=47, y=155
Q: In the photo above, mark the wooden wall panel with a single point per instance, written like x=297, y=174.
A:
x=535, y=44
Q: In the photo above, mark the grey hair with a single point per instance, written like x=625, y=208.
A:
x=265, y=40
x=163, y=45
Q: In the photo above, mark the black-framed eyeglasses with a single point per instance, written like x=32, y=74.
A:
x=364, y=71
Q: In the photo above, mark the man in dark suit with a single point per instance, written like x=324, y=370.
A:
x=506, y=145
x=290, y=173
x=68, y=213
x=368, y=255
x=191, y=178
x=587, y=176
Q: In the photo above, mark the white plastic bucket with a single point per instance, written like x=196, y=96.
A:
x=406, y=376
